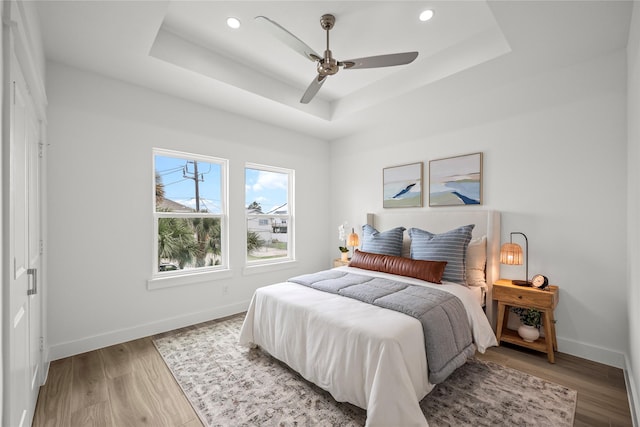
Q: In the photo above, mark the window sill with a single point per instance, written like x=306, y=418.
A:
x=187, y=279
x=265, y=268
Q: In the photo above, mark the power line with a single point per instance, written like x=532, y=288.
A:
x=169, y=171
x=176, y=182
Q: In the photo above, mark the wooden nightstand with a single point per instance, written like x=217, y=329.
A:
x=339, y=262
x=546, y=300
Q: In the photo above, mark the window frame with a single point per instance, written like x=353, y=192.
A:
x=257, y=264
x=163, y=279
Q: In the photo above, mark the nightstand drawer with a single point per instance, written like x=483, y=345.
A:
x=522, y=296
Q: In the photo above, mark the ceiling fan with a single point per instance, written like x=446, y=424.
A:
x=327, y=64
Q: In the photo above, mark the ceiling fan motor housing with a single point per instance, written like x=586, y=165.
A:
x=328, y=66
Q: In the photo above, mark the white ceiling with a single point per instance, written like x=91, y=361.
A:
x=185, y=49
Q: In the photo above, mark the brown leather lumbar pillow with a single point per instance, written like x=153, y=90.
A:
x=431, y=271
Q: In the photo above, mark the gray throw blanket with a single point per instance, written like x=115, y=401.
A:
x=447, y=334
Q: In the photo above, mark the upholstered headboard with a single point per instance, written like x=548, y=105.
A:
x=487, y=223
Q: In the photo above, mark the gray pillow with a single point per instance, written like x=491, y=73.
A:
x=450, y=246
x=386, y=243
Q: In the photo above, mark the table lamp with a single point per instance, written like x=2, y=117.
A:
x=353, y=240
x=511, y=254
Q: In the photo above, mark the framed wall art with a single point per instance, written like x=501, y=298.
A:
x=456, y=181
x=402, y=186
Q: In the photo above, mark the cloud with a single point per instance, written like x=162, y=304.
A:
x=270, y=181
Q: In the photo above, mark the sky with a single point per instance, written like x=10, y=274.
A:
x=267, y=188
x=177, y=176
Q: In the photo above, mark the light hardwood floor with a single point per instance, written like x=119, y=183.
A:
x=602, y=394
x=119, y=386
x=129, y=385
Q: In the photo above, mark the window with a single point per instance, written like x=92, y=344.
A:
x=190, y=213
x=269, y=208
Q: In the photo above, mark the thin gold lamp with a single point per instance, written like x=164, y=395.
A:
x=353, y=240
x=511, y=254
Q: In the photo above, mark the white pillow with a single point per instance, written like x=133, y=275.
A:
x=476, y=262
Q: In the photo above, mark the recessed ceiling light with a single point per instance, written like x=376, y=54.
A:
x=426, y=15
x=233, y=23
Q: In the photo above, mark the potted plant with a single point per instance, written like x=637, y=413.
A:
x=343, y=238
x=531, y=320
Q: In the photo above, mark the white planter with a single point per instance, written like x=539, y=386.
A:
x=344, y=256
x=528, y=333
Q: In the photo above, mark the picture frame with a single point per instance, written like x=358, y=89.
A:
x=402, y=186
x=456, y=181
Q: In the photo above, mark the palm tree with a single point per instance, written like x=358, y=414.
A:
x=254, y=241
x=207, y=236
x=159, y=190
x=176, y=241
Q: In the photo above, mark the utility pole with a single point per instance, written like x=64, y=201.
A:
x=196, y=179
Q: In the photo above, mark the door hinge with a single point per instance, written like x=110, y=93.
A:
x=41, y=343
x=40, y=149
x=41, y=247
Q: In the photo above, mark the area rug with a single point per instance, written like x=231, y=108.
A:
x=229, y=385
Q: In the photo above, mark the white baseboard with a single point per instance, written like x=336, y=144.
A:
x=632, y=392
x=591, y=352
x=71, y=348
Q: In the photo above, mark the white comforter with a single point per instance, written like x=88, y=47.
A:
x=366, y=355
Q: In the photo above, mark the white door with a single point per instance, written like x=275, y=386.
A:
x=34, y=153
x=23, y=322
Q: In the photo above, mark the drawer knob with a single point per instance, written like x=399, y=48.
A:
x=520, y=296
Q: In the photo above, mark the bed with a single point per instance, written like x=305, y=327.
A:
x=370, y=356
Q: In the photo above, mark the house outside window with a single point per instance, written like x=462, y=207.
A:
x=190, y=213
x=269, y=214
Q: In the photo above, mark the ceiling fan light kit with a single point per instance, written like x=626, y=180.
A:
x=327, y=65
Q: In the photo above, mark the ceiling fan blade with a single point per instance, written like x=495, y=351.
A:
x=287, y=38
x=379, y=61
x=313, y=88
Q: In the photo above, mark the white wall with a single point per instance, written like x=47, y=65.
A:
x=633, y=199
x=554, y=144
x=101, y=133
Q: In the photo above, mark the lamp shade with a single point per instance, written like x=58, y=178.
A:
x=511, y=254
x=353, y=240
